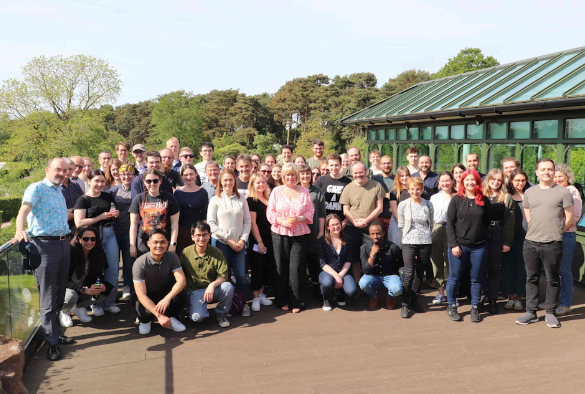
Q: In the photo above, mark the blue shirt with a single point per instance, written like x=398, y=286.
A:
x=177, y=166
x=48, y=216
x=431, y=184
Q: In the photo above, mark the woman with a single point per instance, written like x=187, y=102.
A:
x=228, y=216
x=276, y=175
x=150, y=210
x=290, y=211
x=122, y=199
x=335, y=256
x=317, y=227
x=262, y=265
x=193, y=201
x=86, y=284
x=344, y=161
x=265, y=170
x=299, y=160
x=255, y=164
x=457, y=172
x=87, y=169
x=316, y=174
x=98, y=209
x=415, y=220
x=270, y=160
x=398, y=193
x=229, y=162
x=501, y=233
x=467, y=235
x=564, y=177
x=113, y=174
x=439, y=253
x=513, y=268
x=324, y=167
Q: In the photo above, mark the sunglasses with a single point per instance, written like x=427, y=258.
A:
x=265, y=171
x=188, y=156
x=88, y=239
x=149, y=181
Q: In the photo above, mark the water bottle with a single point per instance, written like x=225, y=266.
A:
x=98, y=284
x=113, y=208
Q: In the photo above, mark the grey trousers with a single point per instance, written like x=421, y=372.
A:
x=51, y=278
x=72, y=298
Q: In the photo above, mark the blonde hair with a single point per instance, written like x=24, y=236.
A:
x=252, y=192
x=487, y=191
x=287, y=168
x=414, y=181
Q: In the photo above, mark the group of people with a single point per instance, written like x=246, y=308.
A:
x=187, y=235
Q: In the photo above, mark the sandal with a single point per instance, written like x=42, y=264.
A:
x=296, y=310
x=284, y=308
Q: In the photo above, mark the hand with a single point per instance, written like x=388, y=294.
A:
x=456, y=251
x=505, y=248
x=164, y=321
x=162, y=305
x=232, y=244
x=104, y=216
x=338, y=282
x=261, y=248
x=343, y=223
x=172, y=248
x=133, y=251
x=241, y=245
x=208, y=295
x=360, y=223
x=114, y=213
x=20, y=235
x=94, y=290
x=375, y=250
x=284, y=223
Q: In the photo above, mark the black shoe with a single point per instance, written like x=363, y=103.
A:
x=405, y=312
x=340, y=298
x=475, y=316
x=63, y=340
x=415, y=306
x=493, y=307
x=317, y=293
x=53, y=353
x=480, y=307
x=453, y=314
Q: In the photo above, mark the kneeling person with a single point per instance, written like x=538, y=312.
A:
x=159, y=282
x=207, y=273
x=381, y=261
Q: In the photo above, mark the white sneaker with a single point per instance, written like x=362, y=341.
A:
x=112, y=309
x=264, y=301
x=176, y=325
x=246, y=311
x=97, y=310
x=125, y=293
x=144, y=328
x=81, y=314
x=256, y=305
x=65, y=319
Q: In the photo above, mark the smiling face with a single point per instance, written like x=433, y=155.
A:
x=316, y=173
x=189, y=176
x=229, y=163
x=260, y=185
x=153, y=162
x=104, y=159
x=57, y=171
x=286, y=155
x=152, y=184
x=167, y=158
x=299, y=161
x=174, y=147
x=424, y=164
x=122, y=153
x=290, y=178
x=375, y=158
x=354, y=155
x=212, y=172
x=97, y=183
x=472, y=161
x=334, y=227
x=561, y=179
x=519, y=181
x=87, y=240
x=508, y=167
x=457, y=173
x=270, y=160
x=87, y=167
x=415, y=191
x=445, y=183
x=495, y=183
x=245, y=169
x=404, y=179
x=206, y=153
x=545, y=171
x=305, y=177
x=276, y=171
x=469, y=184
x=114, y=172
x=387, y=165
x=186, y=157
x=359, y=174
x=158, y=245
x=334, y=167
x=127, y=177
x=318, y=151
x=78, y=166
x=201, y=238
x=227, y=183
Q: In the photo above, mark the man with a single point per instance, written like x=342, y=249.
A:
x=186, y=156
x=153, y=160
x=355, y=156
x=122, y=150
x=71, y=191
x=174, y=146
x=44, y=208
x=332, y=186
x=362, y=202
x=166, y=156
x=104, y=158
x=472, y=163
x=78, y=168
x=206, y=152
x=430, y=178
x=244, y=165
x=412, y=158
x=212, y=172
x=159, y=281
x=138, y=152
x=386, y=179
x=318, y=148
x=374, y=157
x=286, y=152
x=207, y=277
x=381, y=260
x=548, y=208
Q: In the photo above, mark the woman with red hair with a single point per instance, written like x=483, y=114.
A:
x=467, y=233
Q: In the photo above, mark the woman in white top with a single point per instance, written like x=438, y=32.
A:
x=439, y=254
x=228, y=216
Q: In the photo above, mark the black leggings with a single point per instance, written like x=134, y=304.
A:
x=416, y=258
x=262, y=267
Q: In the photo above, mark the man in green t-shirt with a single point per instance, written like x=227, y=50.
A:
x=207, y=272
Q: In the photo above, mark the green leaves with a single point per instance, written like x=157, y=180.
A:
x=468, y=59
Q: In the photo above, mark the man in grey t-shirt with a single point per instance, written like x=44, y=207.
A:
x=549, y=212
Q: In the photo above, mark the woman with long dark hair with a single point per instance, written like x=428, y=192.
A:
x=113, y=174
x=457, y=171
x=193, y=201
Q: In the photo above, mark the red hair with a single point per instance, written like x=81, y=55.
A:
x=477, y=191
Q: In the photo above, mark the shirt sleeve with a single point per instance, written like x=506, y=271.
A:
x=174, y=206
x=344, y=199
x=82, y=203
x=138, y=269
x=308, y=210
x=567, y=199
x=271, y=214
x=379, y=192
x=174, y=261
x=135, y=205
x=452, y=240
x=322, y=251
x=212, y=219
x=364, y=258
x=247, y=222
x=30, y=194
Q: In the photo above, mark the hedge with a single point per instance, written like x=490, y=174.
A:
x=10, y=207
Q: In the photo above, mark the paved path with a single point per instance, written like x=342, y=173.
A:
x=345, y=350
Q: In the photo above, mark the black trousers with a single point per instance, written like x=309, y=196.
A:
x=416, y=258
x=174, y=309
x=548, y=254
x=289, y=253
x=493, y=278
x=262, y=267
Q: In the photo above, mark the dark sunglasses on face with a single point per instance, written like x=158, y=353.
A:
x=89, y=239
x=149, y=181
x=265, y=171
x=188, y=156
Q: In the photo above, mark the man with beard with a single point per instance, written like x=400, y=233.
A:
x=318, y=147
x=386, y=179
x=430, y=178
x=166, y=156
x=472, y=163
x=153, y=160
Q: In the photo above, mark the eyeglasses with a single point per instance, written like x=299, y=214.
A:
x=88, y=239
x=149, y=181
x=76, y=166
x=205, y=235
x=265, y=171
x=188, y=156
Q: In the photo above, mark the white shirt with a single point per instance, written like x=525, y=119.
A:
x=440, y=203
x=200, y=167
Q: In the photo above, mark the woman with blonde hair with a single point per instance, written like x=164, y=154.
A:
x=398, y=193
x=113, y=175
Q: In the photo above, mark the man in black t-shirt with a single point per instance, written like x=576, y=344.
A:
x=332, y=185
x=244, y=165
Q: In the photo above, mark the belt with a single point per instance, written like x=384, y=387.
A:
x=52, y=238
x=444, y=224
x=109, y=224
x=495, y=223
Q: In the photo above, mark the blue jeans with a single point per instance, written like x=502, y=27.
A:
x=371, y=284
x=127, y=260
x=111, y=273
x=222, y=294
x=569, y=244
x=328, y=286
x=236, y=263
x=473, y=256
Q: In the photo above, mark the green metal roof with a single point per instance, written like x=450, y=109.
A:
x=550, y=81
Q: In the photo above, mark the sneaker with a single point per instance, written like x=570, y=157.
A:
x=341, y=298
x=246, y=311
x=527, y=318
x=439, y=299
x=326, y=305
x=144, y=328
x=176, y=325
x=475, y=316
x=65, y=319
x=222, y=320
x=562, y=310
x=126, y=295
x=453, y=314
x=112, y=309
x=404, y=312
x=53, y=353
x=518, y=306
x=509, y=305
x=493, y=307
x=456, y=303
x=264, y=301
x=81, y=314
x=552, y=321
x=256, y=304
x=97, y=310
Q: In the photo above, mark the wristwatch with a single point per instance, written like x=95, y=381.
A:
x=173, y=243
x=83, y=289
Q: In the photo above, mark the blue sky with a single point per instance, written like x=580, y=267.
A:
x=256, y=46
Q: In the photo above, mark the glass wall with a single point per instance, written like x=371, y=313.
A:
x=498, y=153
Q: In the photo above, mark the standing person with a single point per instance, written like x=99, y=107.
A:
x=206, y=152
x=472, y=163
x=270, y=160
x=344, y=161
x=564, y=177
x=229, y=162
x=332, y=186
x=212, y=172
x=104, y=159
x=324, y=167
x=467, y=235
x=509, y=164
x=374, y=157
x=265, y=170
x=386, y=179
x=299, y=160
x=262, y=264
x=121, y=194
x=513, y=268
x=290, y=210
x=87, y=169
x=43, y=207
x=169, y=173
x=122, y=151
x=150, y=210
x=113, y=174
x=315, y=174
x=457, y=171
x=186, y=156
x=244, y=163
x=398, y=193
x=415, y=219
x=175, y=147
x=97, y=208
x=138, y=152
x=439, y=253
x=335, y=253
x=228, y=216
x=74, y=177
x=412, y=158
x=430, y=178
x=317, y=148
x=193, y=201
x=286, y=153
x=275, y=173
x=549, y=212
x=153, y=161
x=71, y=191
x=355, y=156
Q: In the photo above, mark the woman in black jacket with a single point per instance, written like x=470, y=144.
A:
x=86, y=285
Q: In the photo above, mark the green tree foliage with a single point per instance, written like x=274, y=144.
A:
x=131, y=121
x=264, y=144
x=468, y=59
x=314, y=130
x=403, y=81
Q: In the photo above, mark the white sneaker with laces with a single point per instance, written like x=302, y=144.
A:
x=176, y=325
x=81, y=314
x=264, y=301
x=65, y=319
x=112, y=309
x=256, y=305
x=126, y=293
x=144, y=328
x=97, y=310
x=246, y=311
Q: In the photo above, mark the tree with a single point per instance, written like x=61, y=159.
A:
x=468, y=59
x=403, y=81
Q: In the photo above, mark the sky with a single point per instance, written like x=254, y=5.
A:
x=256, y=46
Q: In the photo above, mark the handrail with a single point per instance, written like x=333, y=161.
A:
x=7, y=245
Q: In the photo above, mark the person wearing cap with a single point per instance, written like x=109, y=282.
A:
x=44, y=207
x=138, y=151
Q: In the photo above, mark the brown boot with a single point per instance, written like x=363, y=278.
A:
x=373, y=302
x=389, y=302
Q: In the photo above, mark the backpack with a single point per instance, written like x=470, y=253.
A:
x=238, y=302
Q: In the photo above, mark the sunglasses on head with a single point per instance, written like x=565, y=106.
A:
x=89, y=239
x=149, y=181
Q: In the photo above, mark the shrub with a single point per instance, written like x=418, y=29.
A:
x=10, y=207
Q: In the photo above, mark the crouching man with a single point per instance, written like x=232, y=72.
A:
x=207, y=272
x=159, y=282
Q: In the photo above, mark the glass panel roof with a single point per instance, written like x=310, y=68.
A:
x=563, y=86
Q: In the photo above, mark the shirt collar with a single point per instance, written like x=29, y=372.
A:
x=51, y=184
